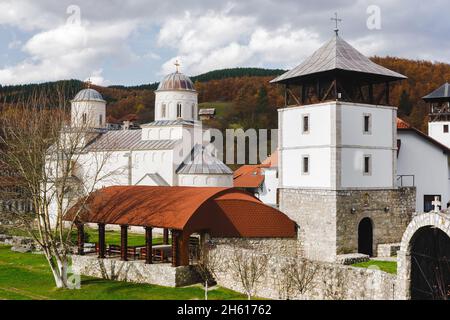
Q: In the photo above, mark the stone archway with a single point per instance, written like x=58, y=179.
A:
x=423, y=260
x=365, y=237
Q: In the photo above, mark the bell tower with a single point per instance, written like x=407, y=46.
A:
x=338, y=152
x=439, y=116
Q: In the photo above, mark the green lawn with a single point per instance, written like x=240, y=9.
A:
x=219, y=106
x=25, y=276
x=386, y=266
x=113, y=237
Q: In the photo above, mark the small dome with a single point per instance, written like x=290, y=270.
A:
x=176, y=81
x=88, y=95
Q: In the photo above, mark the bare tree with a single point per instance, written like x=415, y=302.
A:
x=48, y=156
x=297, y=276
x=249, y=267
x=209, y=265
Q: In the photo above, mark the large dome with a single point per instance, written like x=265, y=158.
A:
x=176, y=81
x=88, y=95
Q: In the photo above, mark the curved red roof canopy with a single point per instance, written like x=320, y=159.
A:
x=222, y=212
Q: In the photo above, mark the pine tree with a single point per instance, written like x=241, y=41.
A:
x=405, y=104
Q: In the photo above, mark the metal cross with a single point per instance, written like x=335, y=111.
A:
x=177, y=65
x=436, y=204
x=337, y=20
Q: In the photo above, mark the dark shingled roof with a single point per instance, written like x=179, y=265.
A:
x=338, y=55
x=200, y=161
x=128, y=140
x=442, y=93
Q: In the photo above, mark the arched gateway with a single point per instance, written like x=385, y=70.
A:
x=424, y=258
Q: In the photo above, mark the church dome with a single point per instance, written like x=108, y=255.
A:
x=176, y=81
x=88, y=95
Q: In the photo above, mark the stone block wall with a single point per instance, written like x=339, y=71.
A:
x=329, y=282
x=388, y=227
x=329, y=227
x=162, y=274
x=314, y=211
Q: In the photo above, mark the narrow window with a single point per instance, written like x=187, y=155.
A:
x=367, y=165
x=163, y=110
x=445, y=128
x=305, y=169
x=100, y=120
x=367, y=124
x=84, y=118
x=306, y=124
x=193, y=112
x=179, y=110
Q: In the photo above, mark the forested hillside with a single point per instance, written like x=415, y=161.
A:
x=244, y=95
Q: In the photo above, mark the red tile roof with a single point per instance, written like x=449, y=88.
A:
x=251, y=176
x=402, y=124
x=224, y=212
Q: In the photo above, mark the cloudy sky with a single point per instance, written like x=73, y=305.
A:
x=136, y=41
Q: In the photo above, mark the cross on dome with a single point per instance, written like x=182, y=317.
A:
x=177, y=65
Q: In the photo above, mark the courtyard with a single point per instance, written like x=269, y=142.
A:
x=26, y=276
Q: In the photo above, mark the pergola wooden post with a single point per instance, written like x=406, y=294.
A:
x=175, y=248
x=124, y=243
x=101, y=241
x=148, y=245
x=166, y=236
x=80, y=238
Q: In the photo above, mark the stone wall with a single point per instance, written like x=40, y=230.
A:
x=314, y=211
x=329, y=281
x=329, y=227
x=388, y=227
x=162, y=274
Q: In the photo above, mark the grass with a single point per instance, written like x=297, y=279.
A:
x=111, y=236
x=26, y=276
x=219, y=106
x=386, y=266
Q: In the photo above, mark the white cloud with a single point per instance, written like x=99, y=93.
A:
x=69, y=51
x=216, y=40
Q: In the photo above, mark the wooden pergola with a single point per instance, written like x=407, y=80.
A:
x=219, y=212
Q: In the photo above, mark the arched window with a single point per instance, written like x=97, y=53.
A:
x=100, y=120
x=179, y=110
x=163, y=110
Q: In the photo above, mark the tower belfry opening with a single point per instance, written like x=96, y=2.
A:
x=337, y=72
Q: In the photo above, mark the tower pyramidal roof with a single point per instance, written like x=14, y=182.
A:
x=337, y=55
x=442, y=93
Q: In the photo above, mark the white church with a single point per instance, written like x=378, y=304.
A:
x=173, y=150
x=170, y=151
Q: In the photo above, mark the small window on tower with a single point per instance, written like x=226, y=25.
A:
x=305, y=164
x=306, y=124
x=367, y=124
x=84, y=118
x=445, y=128
x=367, y=165
x=163, y=111
x=179, y=110
x=100, y=120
